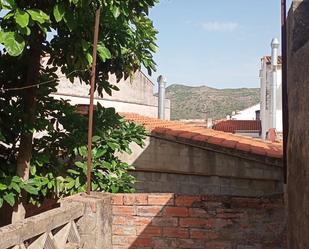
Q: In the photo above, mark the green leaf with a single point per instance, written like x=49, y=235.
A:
x=8, y=15
x=80, y=164
x=15, y=186
x=59, y=12
x=9, y=198
x=16, y=179
x=94, y=186
x=83, y=151
x=99, y=153
x=114, y=188
x=22, y=18
x=3, y=186
x=13, y=42
x=77, y=183
x=113, y=146
x=74, y=172
x=49, y=185
x=38, y=16
x=70, y=184
x=8, y=4
x=95, y=138
x=30, y=189
x=115, y=11
x=89, y=58
x=103, y=52
x=33, y=170
x=26, y=31
x=1, y=201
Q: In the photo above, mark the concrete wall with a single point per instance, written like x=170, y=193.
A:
x=135, y=95
x=298, y=134
x=120, y=106
x=168, y=221
x=165, y=165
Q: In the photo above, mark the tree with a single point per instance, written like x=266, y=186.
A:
x=126, y=41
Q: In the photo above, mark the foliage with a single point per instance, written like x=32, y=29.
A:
x=127, y=36
x=59, y=164
x=63, y=31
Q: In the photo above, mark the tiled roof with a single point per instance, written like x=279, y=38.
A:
x=238, y=125
x=200, y=136
x=268, y=59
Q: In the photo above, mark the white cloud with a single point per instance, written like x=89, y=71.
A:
x=215, y=26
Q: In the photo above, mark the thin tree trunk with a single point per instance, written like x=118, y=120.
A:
x=29, y=99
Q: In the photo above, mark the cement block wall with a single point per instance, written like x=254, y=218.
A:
x=298, y=133
x=163, y=166
x=160, y=182
x=120, y=106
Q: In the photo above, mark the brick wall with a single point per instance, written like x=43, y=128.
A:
x=179, y=221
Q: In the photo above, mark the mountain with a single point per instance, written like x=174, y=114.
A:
x=198, y=102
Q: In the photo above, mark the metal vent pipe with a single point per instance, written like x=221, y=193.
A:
x=274, y=63
x=161, y=99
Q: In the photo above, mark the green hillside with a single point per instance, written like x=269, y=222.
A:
x=197, y=102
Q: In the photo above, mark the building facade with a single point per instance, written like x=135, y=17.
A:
x=136, y=94
x=271, y=92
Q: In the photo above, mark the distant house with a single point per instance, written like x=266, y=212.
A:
x=258, y=119
x=135, y=95
x=251, y=128
x=250, y=113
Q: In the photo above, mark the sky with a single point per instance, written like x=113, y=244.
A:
x=215, y=43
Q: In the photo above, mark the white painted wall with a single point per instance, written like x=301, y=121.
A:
x=266, y=94
x=247, y=114
x=248, y=134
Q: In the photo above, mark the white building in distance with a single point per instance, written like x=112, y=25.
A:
x=250, y=113
x=271, y=91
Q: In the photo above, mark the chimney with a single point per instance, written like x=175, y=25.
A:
x=161, y=100
x=274, y=63
x=209, y=123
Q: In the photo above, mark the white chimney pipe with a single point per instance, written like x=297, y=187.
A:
x=274, y=63
x=161, y=100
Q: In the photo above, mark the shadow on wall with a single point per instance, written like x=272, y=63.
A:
x=169, y=166
x=162, y=221
x=31, y=210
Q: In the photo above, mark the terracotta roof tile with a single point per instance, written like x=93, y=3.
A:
x=238, y=125
x=229, y=144
x=174, y=130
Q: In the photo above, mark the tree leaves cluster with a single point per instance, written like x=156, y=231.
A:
x=127, y=35
x=62, y=31
x=59, y=162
